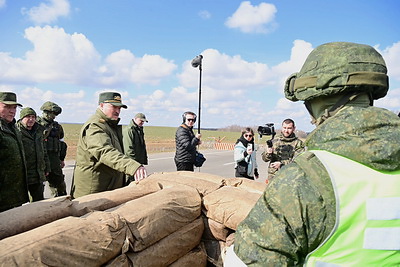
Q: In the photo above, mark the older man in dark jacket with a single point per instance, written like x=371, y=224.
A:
x=13, y=183
x=186, y=142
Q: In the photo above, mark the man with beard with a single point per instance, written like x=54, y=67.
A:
x=285, y=147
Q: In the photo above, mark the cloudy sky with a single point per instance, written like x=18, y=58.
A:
x=67, y=51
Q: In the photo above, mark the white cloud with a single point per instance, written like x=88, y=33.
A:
x=48, y=12
x=392, y=57
x=253, y=19
x=204, y=14
x=72, y=58
x=226, y=73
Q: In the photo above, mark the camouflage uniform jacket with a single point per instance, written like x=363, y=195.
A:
x=53, y=135
x=13, y=181
x=100, y=159
x=297, y=211
x=37, y=161
x=134, y=143
x=285, y=149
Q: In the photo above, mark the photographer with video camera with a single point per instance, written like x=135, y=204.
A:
x=245, y=155
x=283, y=149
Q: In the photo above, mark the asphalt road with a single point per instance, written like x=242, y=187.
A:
x=219, y=162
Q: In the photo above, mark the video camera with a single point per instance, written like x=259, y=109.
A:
x=268, y=130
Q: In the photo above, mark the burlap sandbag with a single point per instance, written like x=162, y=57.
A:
x=30, y=216
x=247, y=184
x=89, y=241
x=214, y=230
x=109, y=199
x=170, y=248
x=155, y=216
x=229, y=205
x=204, y=183
x=39, y=213
x=197, y=257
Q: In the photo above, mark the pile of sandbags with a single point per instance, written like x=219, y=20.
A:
x=176, y=219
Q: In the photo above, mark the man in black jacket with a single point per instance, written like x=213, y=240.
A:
x=186, y=142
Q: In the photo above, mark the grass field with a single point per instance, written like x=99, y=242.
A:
x=158, y=139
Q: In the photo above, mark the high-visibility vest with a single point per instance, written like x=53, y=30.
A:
x=367, y=228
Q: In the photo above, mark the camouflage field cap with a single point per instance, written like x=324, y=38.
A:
x=338, y=67
x=141, y=116
x=113, y=98
x=9, y=98
x=52, y=107
x=26, y=111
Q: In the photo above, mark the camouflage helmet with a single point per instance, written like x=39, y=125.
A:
x=338, y=67
x=52, y=107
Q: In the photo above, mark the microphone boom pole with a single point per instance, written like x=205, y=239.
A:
x=197, y=62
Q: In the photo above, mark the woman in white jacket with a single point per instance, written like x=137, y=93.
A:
x=245, y=155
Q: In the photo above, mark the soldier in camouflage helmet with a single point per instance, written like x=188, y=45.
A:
x=13, y=182
x=300, y=209
x=37, y=162
x=55, y=145
x=285, y=147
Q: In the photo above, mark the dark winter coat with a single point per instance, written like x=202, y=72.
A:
x=186, y=143
x=13, y=181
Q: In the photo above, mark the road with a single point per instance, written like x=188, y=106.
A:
x=219, y=162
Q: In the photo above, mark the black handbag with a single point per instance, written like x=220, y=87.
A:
x=199, y=159
x=242, y=167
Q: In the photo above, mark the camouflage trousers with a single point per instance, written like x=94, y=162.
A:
x=56, y=177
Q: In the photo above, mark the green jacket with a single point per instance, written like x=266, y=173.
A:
x=54, y=136
x=13, y=181
x=285, y=149
x=297, y=211
x=134, y=143
x=100, y=162
x=37, y=161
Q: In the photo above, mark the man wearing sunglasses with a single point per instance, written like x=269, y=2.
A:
x=186, y=142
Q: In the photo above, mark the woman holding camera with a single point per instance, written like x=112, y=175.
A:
x=245, y=155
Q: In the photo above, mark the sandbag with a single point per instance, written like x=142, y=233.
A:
x=229, y=205
x=155, y=216
x=245, y=183
x=109, y=199
x=39, y=213
x=90, y=241
x=32, y=215
x=204, y=183
x=195, y=258
x=170, y=248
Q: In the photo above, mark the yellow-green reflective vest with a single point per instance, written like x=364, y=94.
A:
x=367, y=229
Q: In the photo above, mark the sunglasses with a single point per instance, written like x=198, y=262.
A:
x=191, y=119
x=248, y=135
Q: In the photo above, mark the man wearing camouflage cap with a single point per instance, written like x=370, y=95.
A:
x=37, y=162
x=100, y=160
x=338, y=203
x=56, y=147
x=13, y=181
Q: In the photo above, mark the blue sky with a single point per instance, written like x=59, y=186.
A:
x=67, y=51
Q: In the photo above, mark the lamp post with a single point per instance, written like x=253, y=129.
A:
x=197, y=62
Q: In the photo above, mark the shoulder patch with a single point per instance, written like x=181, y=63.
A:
x=102, y=121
